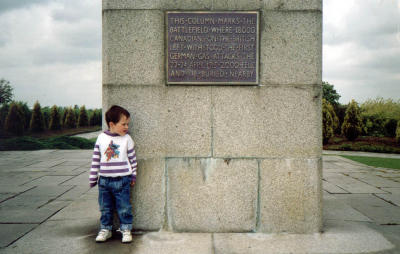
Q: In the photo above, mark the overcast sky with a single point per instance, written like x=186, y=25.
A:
x=50, y=50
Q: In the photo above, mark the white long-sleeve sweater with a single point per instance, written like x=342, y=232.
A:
x=113, y=156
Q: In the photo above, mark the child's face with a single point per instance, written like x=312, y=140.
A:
x=120, y=128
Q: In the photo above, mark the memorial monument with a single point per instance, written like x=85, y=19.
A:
x=225, y=99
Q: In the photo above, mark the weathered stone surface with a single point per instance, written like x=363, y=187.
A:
x=374, y=180
x=72, y=236
x=391, y=198
x=339, y=237
x=239, y=5
x=78, y=236
x=291, y=44
x=74, y=193
x=12, y=188
x=133, y=48
x=212, y=195
x=173, y=121
x=17, y=178
x=48, y=181
x=334, y=209
x=147, y=109
x=170, y=243
x=148, y=195
x=27, y=215
x=214, y=4
x=188, y=121
x=158, y=4
x=11, y=232
x=281, y=118
x=292, y=5
x=350, y=184
x=290, y=196
x=380, y=211
x=331, y=188
x=267, y=121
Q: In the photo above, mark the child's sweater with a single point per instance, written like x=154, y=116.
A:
x=113, y=156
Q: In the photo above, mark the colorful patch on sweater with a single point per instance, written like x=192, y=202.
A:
x=112, y=151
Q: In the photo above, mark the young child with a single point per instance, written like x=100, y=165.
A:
x=114, y=170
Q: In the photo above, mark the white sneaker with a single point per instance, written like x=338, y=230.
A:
x=126, y=236
x=103, y=235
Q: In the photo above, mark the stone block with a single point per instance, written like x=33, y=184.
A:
x=212, y=195
x=290, y=196
x=166, y=121
x=147, y=109
x=158, y=4
x=293, y=5
x=240, y=5
x=188, y=121
x=148, y=195
x=133, y=47
x=267, y=121
x=291, y=44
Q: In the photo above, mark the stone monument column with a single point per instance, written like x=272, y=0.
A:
x=226, y=120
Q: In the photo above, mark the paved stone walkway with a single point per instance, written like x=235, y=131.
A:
x=47, y=207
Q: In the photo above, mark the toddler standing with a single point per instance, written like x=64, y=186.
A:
x=114, y=170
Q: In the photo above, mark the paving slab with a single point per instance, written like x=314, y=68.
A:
x=331, y=188
x=74, y=193
x=45, y=164
x=81, y=179
x=340, y=167
x=374, y=180
x=78, y=236
x=63, y=170
x=80, y=209
x=391, y=198
x=48, y=191
x=350, y=184
x=367, y=154
x=378, y=210
x=12, y=188
x=48, y=180
x=6, y=196
x=69, y=220
x=391, y=233
x=334, y=209
x=11, y=232
x=29, y=215
x=77, y=162
x=393, y=190
x=25, y=202
x=18, y=178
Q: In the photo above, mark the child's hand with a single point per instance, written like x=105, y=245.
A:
x=133, y=183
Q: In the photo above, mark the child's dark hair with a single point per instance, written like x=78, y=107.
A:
x=114, y=114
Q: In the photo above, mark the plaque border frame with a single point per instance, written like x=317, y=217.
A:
x=256, y=83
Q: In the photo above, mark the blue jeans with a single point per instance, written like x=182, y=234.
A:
x=114, y=193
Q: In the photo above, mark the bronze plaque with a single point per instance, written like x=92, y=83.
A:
x=206, y=48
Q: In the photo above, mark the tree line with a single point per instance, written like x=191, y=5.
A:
x=375, y=117
x=17, y=118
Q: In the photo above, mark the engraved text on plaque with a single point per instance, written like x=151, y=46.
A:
x=212, y=48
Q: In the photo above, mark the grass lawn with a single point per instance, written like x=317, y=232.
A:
x=61, y=139
x=376, y=162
